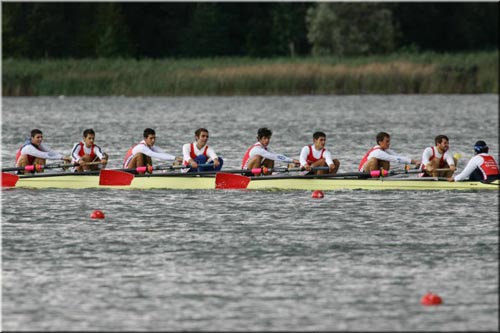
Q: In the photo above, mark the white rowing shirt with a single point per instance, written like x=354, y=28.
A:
x=153, y=152
x=485, y=162
x=304, y=154
x=43, y=152
x=385, y=155
x=259, y=150
x=186, y=152
x=428, y=153
x=75, y=153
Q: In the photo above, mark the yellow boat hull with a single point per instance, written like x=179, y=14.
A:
x=260, y=183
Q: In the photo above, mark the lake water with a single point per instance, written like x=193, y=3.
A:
x=239, y=260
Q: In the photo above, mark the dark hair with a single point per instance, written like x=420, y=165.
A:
x=264, y=132
x=318, y=135
x=88, y=131
x=480, y=147
x=35, y=132
x=148, y=131
x=440, y=138
x=199, y=130
x=381, y=136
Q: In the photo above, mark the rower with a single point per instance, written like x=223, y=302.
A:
x=34, y=151
x=259, y=155
x=380, y=156
x=142, y=153
x=86, y=151
x=199, y=152
x=316, y=155
x=438, y=157
x=482, y=167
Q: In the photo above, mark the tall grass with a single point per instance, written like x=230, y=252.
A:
x=424, y=73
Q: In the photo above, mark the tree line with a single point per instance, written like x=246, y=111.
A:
x=255, y=29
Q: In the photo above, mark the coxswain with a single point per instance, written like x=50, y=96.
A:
x=482, y=167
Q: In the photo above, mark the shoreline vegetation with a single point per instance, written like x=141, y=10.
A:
x=403, y=73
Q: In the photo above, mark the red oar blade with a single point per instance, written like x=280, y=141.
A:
x=230, y=181
x=9, y=180
x=115, y=178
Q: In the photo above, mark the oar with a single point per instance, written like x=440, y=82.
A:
x=412, y=171
x=115, y=177
x=231, y=181
x=40, y=167
x=150, y=168
x=9, y=180
x=124, y=177
x=224, y=180
x=264, y=170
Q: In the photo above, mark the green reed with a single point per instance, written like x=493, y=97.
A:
x=404, y=73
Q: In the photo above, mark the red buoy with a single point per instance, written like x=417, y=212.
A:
x=317, y=194
x=431, y=299
x=97, y=214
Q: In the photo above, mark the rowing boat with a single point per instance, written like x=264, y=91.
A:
x=173, y=181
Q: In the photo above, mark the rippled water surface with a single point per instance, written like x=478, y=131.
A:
x=243, y=260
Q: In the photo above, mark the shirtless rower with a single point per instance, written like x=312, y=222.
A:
x=199, y=152
x=380, y=156
x=259, y=155
x=86, y=151
x=142, y=153
x=35, y=152
x=316, y=155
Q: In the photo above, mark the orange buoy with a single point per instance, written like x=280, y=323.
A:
x=317, y=194
x=97, y=214
x=431, y=299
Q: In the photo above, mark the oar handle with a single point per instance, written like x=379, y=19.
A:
x=175, y=167
x=34, y=167
x=150, y=168
x=410, y=171
x=257, y=171
x=40, y=167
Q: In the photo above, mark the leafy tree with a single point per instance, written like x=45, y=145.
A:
x=350, y=29
x=288, y=32
x=209, y=31
x=14, y=44
x=112, y=40
x=34, y=30
x=448, y=26
x=155, y=28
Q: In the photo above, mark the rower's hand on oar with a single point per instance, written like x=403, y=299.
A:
x=306, y=167
x=450, y=179
x=416, y=162
x=193, y=164
x=216, y=162
x=104, y=160
x=67, y=160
